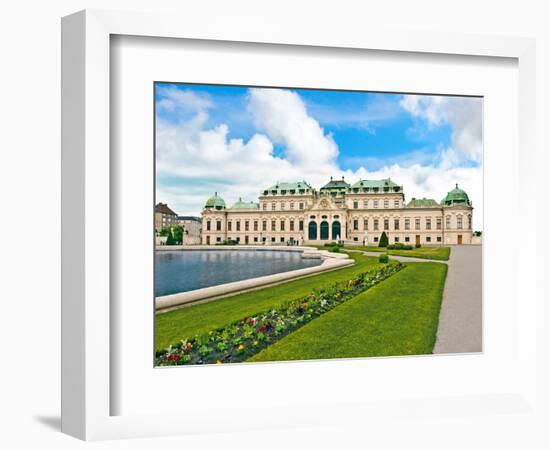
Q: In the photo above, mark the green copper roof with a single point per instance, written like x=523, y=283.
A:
x=298, y=187
x=385, y=185
x=375, y=184
x=335, y=185
x=422, y=203
x=245, y=205
x=215, y=202
x=456, y=196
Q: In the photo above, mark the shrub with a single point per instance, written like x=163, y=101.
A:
x=383, y=240
x=418, y=245
x=399, y=246
x=383, y=258
x=335, y=249
x=332, y=244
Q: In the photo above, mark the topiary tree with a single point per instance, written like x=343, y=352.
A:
x=383, y=240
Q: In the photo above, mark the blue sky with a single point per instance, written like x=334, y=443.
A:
x=237, y=140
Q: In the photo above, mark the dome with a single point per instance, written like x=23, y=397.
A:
x=456, y=196
x=245, y=205
x=215, y=202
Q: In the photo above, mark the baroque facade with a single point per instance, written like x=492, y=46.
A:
x=296, y=213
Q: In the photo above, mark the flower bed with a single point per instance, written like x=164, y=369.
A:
x=240, y=340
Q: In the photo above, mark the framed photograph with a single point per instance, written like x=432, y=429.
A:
x=258, y=211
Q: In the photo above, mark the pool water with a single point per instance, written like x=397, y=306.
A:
x=181, y=271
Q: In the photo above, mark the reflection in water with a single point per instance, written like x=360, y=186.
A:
x=180, y=271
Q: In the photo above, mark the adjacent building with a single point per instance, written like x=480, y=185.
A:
x=164, y=217
x=297, y=213
x=192, y=229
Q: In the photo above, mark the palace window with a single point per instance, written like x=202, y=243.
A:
x=282, y=205
x=438, y=238
x=469, y=221
x=447, y=221
x=264, y=225
x=273, y=223
x=272, y=239
x=255, y=225
x=238, y=225
x=282, y=239
x=273, y=206
x=246, y=225
x=459, y=222
x=386, y=224
x=386, y=203
x=407, y=239
x=396, y=203
x=264, y=206
x=291, y=228
x=396, y=239
x=396, y=224
x=365, y=203
x=355, y=205
x=301, y=225
x=407, y=224
x=255, y=239
x=291, y=205
x=229, y=226
x=312, y=217
x=323, y=217
x=355, y=225
x=376, y=239
x=417, y=223
x=282, y=225
x=366, y=224
x=208, y=225
x=301, y=205
x=375, y=204
x=375, y=225
x=218, y=225
x=218, y=239
x=428, y=239
x=428, y=223
x=438, y=223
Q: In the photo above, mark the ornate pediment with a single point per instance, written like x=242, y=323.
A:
x=325, y=204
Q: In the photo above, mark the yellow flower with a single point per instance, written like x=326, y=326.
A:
x=241, y=347
x=218, y=362
x=255, y=343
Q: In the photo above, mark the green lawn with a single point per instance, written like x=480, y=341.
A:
x=173, y=326
x=397, y=317
x=436, y=253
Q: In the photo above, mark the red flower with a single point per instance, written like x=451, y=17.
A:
x=252, y=322
x=245, y=319
x=261, y=329
x=173, y=357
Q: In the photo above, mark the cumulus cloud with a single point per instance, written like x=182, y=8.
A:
x=463, y=114
x=194, y=159
x=282, y=115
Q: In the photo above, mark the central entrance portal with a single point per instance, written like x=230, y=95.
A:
x=312, y=231
x=324, y=231
x=336, y=230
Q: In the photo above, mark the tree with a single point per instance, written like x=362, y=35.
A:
x=177, y=234
x=383, y=240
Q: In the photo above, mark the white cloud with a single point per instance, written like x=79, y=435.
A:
x=194, y=161
x=463, y=114
x=283, y=116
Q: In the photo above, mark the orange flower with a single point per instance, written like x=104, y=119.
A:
x=241, y=347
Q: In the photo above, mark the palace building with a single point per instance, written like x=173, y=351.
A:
x=296, y=213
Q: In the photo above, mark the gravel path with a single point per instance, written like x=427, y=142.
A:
x=460, y=319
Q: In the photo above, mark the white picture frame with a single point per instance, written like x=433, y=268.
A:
x=87, y=324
